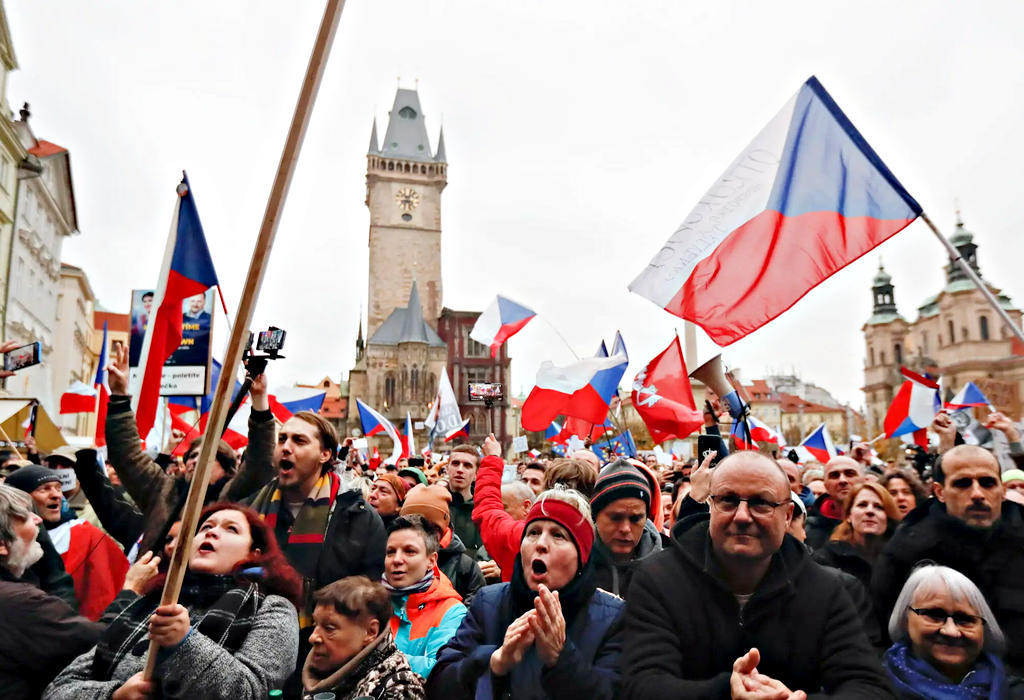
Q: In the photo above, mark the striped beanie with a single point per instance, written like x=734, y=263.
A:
x=620, y=480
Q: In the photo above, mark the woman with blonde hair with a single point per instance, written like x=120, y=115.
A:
x=869, y=517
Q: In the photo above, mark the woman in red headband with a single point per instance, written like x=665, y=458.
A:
x=549, y=632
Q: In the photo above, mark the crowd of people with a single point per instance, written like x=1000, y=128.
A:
x=311, y=576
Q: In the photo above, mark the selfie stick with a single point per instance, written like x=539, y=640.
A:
x=246, y=306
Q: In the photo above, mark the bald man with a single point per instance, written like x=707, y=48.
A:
x=735, y=607
x=841, y=475
x=968, y=527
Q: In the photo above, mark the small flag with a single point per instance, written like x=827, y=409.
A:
x=408, y=439
x=102, y=392
x=499, y=322
x=819, y=444
x=914, y=407
x=663, y=397
x=374, y=423
x=967, y=397
x=79, y=398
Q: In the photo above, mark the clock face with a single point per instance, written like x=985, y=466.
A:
x=407, y=199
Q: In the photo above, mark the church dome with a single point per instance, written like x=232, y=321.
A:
x=882, y=278
x=961, y=235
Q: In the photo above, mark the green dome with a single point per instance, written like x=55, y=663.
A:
x=961, y=235
x=882, y=278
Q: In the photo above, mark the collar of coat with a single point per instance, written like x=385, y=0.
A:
x=352, y=671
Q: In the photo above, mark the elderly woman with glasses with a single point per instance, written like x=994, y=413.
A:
x=947, y=641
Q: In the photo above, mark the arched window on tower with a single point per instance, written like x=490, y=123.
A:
x=898, y=352
x=871, y=354
x=983, y=327
x=964, y=335
x=881, y=356
x=414, y=384
x=389, y=390
x=952, y=334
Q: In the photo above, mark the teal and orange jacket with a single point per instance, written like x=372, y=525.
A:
x=424, y=622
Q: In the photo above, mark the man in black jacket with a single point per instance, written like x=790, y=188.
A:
x=841, y=475
x=736, y=607
x=969, y=528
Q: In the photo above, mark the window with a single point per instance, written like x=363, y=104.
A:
x=898, y=352
x=871, y=353
x=882, y=355
x=924, y=342
x=952, y=335
x=414, y=384
x=964, y=335
x=475, y=349
x=983, y=327
x=389, y=390
x=476, y=375
x=5, y=172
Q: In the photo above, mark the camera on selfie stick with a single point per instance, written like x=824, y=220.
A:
x=270, y=341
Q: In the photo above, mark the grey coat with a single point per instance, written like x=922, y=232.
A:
x=201, y=668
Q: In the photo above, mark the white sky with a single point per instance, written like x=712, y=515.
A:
x=579, y=134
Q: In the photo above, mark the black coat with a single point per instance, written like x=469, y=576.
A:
x=819, y=526
x=461, y=569
x=685, y=629
x=615, y=577
x=845, y=557
x=993, y=559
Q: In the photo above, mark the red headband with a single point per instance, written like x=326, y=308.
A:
x=566, y=515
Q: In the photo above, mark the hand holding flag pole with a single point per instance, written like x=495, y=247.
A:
x=247, y=304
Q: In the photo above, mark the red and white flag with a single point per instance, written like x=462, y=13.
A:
x=663, y=397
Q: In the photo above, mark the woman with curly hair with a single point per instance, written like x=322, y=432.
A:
x=234, y=632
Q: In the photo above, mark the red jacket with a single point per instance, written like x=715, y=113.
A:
x=95, y=562
x=500, y=532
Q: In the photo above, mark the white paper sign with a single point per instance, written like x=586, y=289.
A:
x=519, y=444
x=360, y=444
x=67, y=479
x=574, y=444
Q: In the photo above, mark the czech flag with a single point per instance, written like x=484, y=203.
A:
x=102, y=392
x=374, y=423
x=759, y=432
x=286, y=402
x=499, y=322
x=967, y=397
x=806, y=198
x=79, y=398
x=553, y=432
x=914, y=407
x=187, y=270
x=461, y=432
x=819, y=444
x=408, y=444
x=581, y=390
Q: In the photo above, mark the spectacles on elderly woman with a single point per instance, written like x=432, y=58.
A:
x=938, y=616
x=728, y=504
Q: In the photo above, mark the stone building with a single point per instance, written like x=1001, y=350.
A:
x=956, y=336
x=410, y=337
x=15, y=161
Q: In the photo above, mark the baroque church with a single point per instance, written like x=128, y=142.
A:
x=411, y=337
x=956, y=335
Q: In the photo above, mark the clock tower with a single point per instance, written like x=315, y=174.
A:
x=404, y=180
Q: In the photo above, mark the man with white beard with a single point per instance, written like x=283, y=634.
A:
x=39, y=634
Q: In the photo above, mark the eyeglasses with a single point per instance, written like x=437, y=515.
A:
x=938, y=616
x=729, y=504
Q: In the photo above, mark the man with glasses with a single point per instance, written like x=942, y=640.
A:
x=736, y=608
x=970, y=528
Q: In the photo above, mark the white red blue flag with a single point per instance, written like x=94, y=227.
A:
x=374, y=423
x=408, y=438
x=553, y=432
x=187, y=270
x=968, y=397
x=819, y=444
x=79, y=398
x=287, y=401
x=581, y=390
x=759, y=432
x=914, y=407
x=807, y=197
x=499, y=322
x=102, y=392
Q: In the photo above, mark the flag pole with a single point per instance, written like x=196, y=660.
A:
x=957, y=259
x=246, y=306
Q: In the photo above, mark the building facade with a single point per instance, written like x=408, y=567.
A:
x=410, y=337
x=73, y=358
x=14, y=159
x=956, y=336
x=45, y=216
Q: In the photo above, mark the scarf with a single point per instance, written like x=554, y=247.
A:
x=219, y=607
x=831, y=509
x=914, y=678
x=345, y=679
x=302, y=537
x=418, y=587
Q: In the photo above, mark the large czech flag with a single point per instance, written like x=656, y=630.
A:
x=807, y=197
x=581, y=390
x=187, y=270
x=499, y=322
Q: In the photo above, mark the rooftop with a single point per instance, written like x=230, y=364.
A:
x=407, y=325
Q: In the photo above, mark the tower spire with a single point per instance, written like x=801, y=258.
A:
x=374, y=150
x=441, y=156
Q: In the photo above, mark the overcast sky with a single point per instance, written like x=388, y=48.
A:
x=579, y=134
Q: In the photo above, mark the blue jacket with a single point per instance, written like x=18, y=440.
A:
x=587, y=668
x=423, y=622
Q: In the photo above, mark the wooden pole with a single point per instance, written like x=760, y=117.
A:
x=11, y=443
x=955, y=256
x=246, y=306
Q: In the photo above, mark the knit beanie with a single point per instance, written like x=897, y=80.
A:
x=568, y=516
x=620, y=480
x=28, y=479
x=396, y=483
x=431, y=502
x=415, y=473
x=1013, y=475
